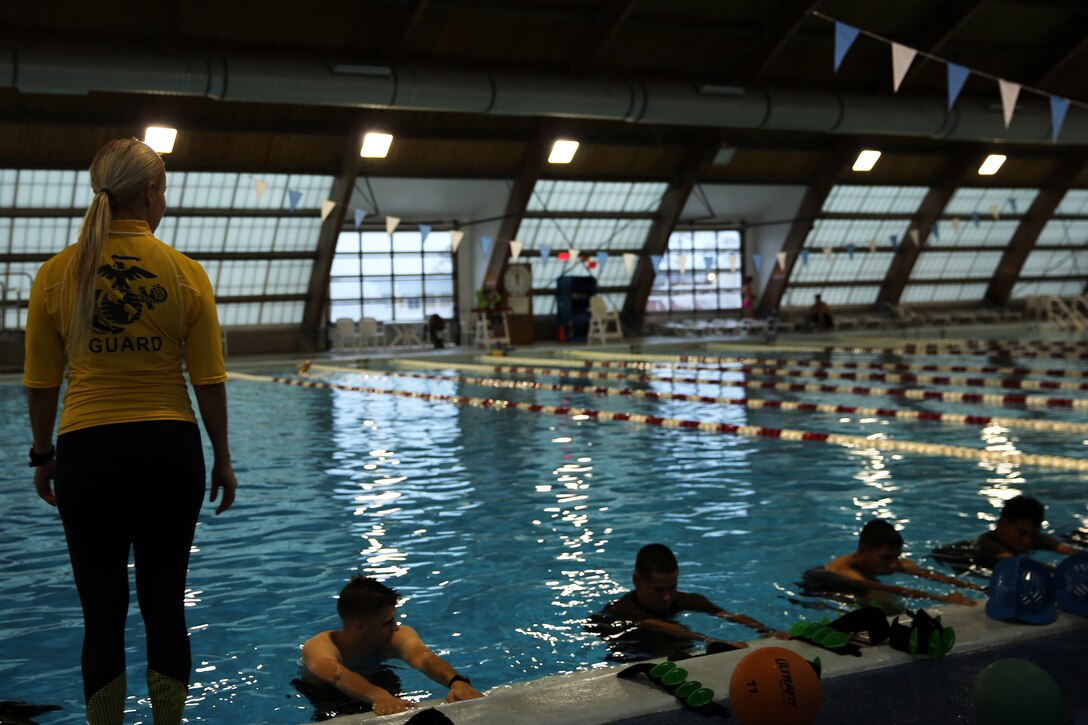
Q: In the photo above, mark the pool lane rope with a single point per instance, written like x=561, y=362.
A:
x=746, y=431
x=939, y=380
x=921, y=350
x=750, y=403
x=644, y=362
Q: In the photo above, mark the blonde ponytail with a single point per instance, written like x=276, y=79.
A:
x=119, y=173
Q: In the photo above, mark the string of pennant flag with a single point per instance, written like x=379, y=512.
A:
x=903, y=56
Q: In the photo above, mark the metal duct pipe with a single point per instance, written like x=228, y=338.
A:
x=313, y=82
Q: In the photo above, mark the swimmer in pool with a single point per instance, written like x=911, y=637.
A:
x=1017, y=532
x=369, y=634
x=655, y=601
x=879, y=553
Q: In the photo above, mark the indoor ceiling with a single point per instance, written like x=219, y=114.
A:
x=82, y=73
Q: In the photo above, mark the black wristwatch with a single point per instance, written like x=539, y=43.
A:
x=40, y=459
x=459, y=678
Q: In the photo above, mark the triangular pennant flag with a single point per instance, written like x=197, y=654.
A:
x=914, y=235
x=828, y=251
x=293, y=198
x=872, y=245
x=629, y=259
x=1058, y=108
x=975, y=218
x=485, y=245
x=781, y=257
x=574, y=253
x=391, y=223
x=902, y=57
x=326, y=208
x=545, y=251
x=894, y=239
x=424, y=230
x=804, y=257
x=956, y=225
x=1012, y=204
x=995, y=211
x=602, y=257
x=260, y=186
x=957, y=76
x=935, y=230
x=655, y=260
x=1009, y=92
x=455, y=239
x=734, y=262
x=850, y=250
x=710, y=262
x=515, y=249
x=682, y=263
x=845, y=35
x=757, y=261
x=360, y=215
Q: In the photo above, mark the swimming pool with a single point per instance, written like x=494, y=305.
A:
x=503, y=530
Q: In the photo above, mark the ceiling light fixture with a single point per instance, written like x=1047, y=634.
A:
x=866, y=160
x=160, y=138
x=376, y=145
x=991, y=164
x=563, y=151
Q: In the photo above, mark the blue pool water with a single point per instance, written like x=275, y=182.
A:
x=502, y=530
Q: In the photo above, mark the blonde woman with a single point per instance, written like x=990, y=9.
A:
x=113, y=313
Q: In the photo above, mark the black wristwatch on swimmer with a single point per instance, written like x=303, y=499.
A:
x=459, y=678
x=40, y=459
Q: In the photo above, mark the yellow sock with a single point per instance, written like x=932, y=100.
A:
x=167, y=697
x=107, y=705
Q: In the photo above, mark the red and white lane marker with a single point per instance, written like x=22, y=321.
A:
x=891, y=445
x=750, y=403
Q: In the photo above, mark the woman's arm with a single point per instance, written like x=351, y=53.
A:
x=212, y=401
x=42, y=405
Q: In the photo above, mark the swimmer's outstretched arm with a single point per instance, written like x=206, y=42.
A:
x=680, y=631
x=417, y=655
x=762, y=629
x=322, y=659
x=952, y=598
x=909, y=567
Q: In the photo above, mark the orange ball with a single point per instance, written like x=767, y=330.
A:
x=774, y=685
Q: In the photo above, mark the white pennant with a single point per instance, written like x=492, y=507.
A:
x=995, y=211
x=629, y=259
x=326, y=208
x=455, y=238
x=574, y=253
x=391, y=223
x=914, y=236
x=734, y=260
x=260, y=186
x=872, y=245
x=781, y=257
x=902, y=57
x=515, y=249
x=1009, y=94
x=828, y=251
x=682, y=263
x=956, y=225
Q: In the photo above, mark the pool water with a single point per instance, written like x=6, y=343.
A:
x=502, y=530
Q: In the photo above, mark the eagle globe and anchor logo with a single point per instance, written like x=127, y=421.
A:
x=121, y=305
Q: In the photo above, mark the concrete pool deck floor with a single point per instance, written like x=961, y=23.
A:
x=598, y=696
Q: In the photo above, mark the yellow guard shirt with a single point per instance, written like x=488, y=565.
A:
x=150, y=302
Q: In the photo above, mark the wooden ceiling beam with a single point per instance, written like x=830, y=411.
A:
x=960, y=169
x=1023, y=239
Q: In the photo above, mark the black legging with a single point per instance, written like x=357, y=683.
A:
x=137, y=485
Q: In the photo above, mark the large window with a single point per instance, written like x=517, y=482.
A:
x=399, y=277
x=700, y=271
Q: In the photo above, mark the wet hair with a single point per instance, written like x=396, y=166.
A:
x=879, y=533
x=655, y=558
x=119, y=173
x=1024, y=507
x=363, y=597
